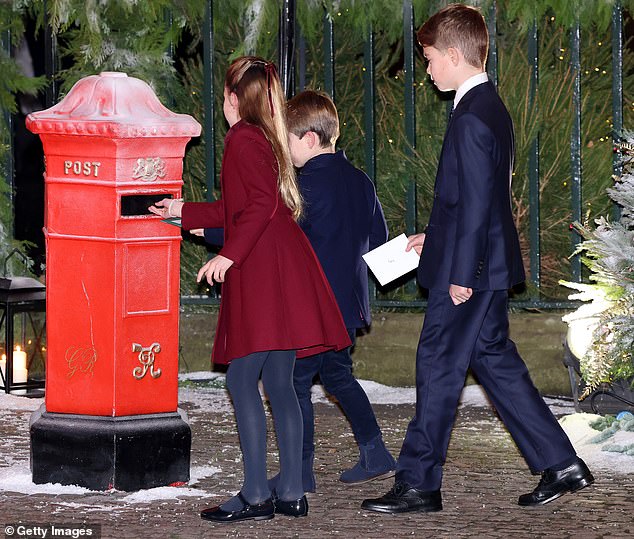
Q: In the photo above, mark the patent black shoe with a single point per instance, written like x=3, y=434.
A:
x=259, y=511
x=554, y=484
x=403, y=498
x=295, y=508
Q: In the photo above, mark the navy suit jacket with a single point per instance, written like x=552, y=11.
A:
x=343, y=220
x=471, y=238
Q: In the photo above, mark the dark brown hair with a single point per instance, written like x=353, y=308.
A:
x=313, y=111
x=261, y=102
x=458, y=26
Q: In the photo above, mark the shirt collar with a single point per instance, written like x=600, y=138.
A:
x=467, y=85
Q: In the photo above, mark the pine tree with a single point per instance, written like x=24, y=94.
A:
x=608, y=251
x=12, y=83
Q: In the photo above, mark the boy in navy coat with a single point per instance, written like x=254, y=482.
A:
x=343, y=220
x=470, y=258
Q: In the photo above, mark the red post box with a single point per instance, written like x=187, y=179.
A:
x=112, y=277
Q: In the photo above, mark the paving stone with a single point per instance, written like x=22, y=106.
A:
x=484, y=474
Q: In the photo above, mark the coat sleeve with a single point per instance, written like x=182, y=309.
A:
x=475, y=149
x=317, y=203
x=214, y=236
x=256, y=168
x=305, y=221
x=379, y=231
x=203, y=215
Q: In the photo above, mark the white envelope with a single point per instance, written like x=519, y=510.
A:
x=390, y=260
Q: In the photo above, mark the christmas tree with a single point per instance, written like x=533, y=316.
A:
x=608, y=252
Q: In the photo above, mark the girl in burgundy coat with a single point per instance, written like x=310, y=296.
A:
x=276, y=302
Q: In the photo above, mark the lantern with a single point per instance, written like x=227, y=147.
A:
x=23, y=329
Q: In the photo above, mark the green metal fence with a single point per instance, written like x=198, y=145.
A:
x=292, y=59
x=409, y=95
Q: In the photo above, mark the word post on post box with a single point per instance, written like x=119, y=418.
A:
x=82, y=168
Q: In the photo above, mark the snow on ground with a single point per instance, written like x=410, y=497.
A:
x=577, y=427
x=17, y=478
x=14, y=402
x=206, y=392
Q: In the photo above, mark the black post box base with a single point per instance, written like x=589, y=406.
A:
x=126, y=453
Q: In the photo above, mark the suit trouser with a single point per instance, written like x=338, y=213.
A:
x=335, y=372
x=473, y=334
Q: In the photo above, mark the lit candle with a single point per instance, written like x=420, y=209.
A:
x=20, y=373
x=19, y=359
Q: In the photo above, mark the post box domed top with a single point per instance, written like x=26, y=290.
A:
x=113, y=105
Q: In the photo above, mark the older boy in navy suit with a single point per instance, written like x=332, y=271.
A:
x=343, y=220
x=470, y=258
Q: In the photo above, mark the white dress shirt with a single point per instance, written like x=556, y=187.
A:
x=467, y=85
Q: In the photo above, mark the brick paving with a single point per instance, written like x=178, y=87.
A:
x=484, y=475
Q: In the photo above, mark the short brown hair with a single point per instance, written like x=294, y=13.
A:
x=313, y=111
x=461, y=27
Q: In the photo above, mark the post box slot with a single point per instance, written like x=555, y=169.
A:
x=132, y=205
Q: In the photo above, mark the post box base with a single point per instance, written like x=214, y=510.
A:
x=126, y=453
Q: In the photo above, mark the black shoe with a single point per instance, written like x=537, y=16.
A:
x=259, y=511
x=403, y=498
x=296, y=508
x=556, y=483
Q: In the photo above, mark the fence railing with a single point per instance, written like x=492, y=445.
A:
x=292, y=60
x=532, y=50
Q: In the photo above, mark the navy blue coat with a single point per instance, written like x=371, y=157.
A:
x=471, y=238
x=343, y=220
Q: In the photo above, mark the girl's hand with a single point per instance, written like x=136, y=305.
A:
x=197, y=232
x=415, y=242
x=215, y=270
x=168, y=207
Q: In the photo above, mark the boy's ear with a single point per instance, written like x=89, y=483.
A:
x=454, y=55
x=312, y=139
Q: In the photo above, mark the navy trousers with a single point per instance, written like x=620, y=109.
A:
x=335, y=373
x=473, y=334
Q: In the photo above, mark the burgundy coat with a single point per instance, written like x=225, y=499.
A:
x=275, y=296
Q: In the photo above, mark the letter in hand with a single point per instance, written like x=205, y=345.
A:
x=215, y=270
x=168, y=207
x=415, y=242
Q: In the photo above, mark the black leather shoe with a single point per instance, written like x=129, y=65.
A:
x=554, y=484
x=403, y=498
x=259, y=511
x=296, y=508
